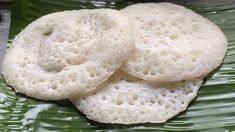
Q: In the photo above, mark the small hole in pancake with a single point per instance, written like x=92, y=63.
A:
x=162, y=24
x=145, y=73
x=172, y=101
x=22, y=64
x=103, y=97
x=41, y=80
x=116, y=87
x=141, y=20
x=91, y=74
x=137, y=69
x=115, y=119
x=167, y=106
x=163, y=53
x=152, y=101
x=141, y=37
x=175, y=58
x=119, y=102
x=145, y=41
x=142, y=102
x=191, y=69
x=129, y=80
x=53, y=87
x=142, y=112
x=199, y=37
x=173, y=36
x=152, y=73
x=164, y=94
x=60, y=38
x=173, y=23
x=48, y=32
x=22, y=83
x=194, y=59
x=137, y=17
x=162, y=41
x=166, y=32
x=158, y=33
x=184, y=32
x=156, y=64
x=98, y=74
x=161, y=71
x=130, y=102
x=135, y=97
x=23, y=75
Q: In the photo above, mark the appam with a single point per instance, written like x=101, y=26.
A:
x=172, y=43
x=123, y=99
x=65, y=54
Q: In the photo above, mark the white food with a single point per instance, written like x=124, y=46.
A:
x=68, y=53
x=172, y=43
x=124, y=99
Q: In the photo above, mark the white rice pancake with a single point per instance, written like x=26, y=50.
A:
x=123, y=99
x=68, y=53
x=172, y=43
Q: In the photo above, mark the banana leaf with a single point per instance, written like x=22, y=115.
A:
x=212, y=110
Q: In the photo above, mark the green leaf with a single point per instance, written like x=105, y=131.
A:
x=212, y=110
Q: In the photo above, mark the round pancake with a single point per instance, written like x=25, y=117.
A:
x=68, y=53
x=123, y=99
x=172, y=43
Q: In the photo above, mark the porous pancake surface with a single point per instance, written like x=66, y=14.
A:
x=172, y=43
x=123, y=99
x=64, y=54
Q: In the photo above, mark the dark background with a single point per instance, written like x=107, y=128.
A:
x=4, y=26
